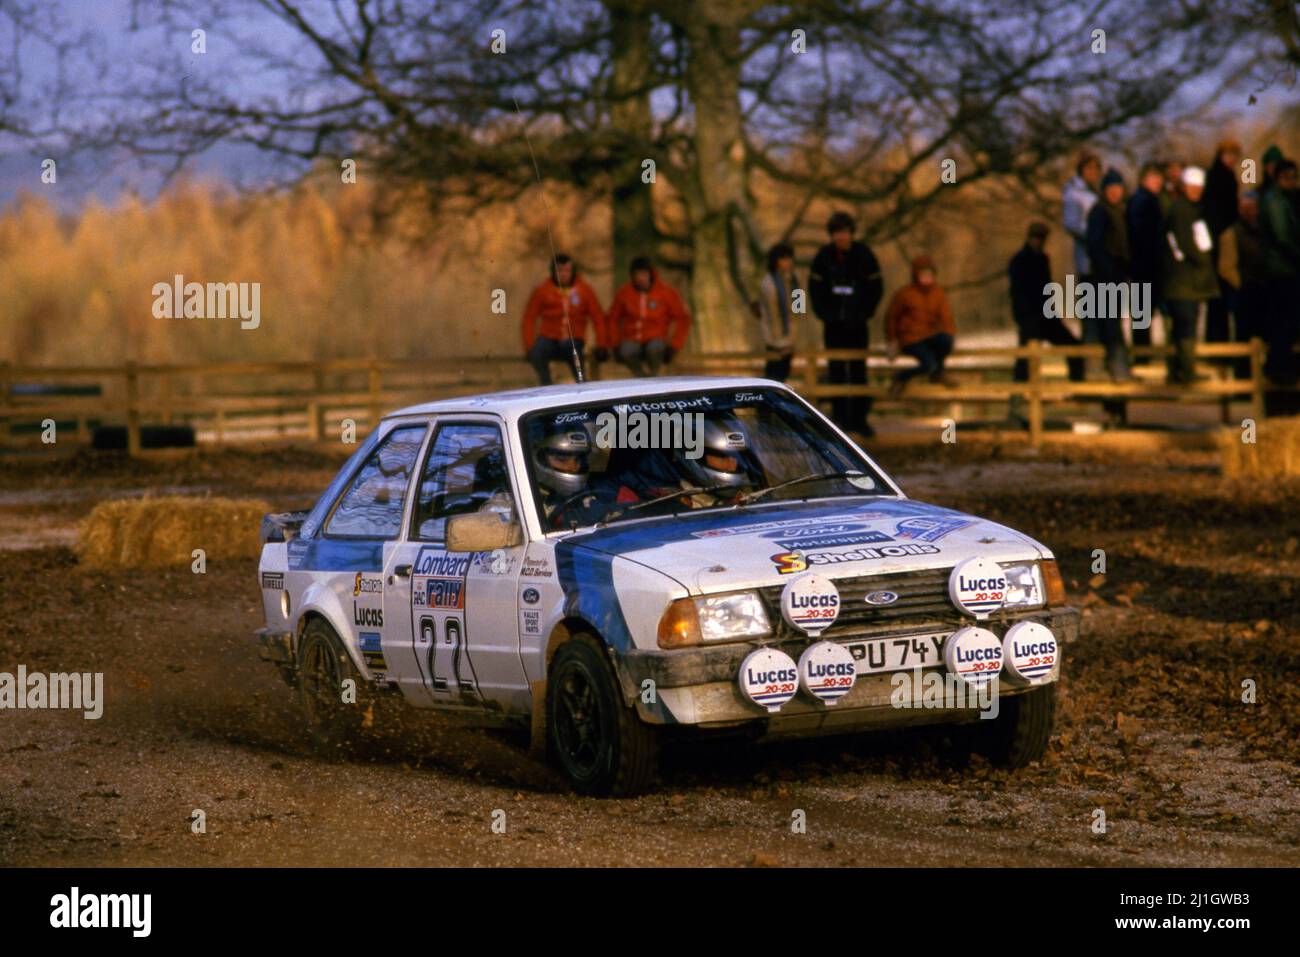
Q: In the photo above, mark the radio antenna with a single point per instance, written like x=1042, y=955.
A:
x=550, y=238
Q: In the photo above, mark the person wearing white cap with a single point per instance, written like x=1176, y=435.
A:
x=1190, y=279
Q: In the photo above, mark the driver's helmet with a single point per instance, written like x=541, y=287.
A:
x=726, y=458
x=563, y=460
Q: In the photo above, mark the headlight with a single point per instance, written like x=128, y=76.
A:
x=1024, y=585
x=713, y=618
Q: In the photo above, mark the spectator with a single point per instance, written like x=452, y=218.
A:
x=1281, y=230
x=1173, y=182
x=1272, y=156
x=1108, y=252
x=1220, y=207
x=1190, y=279
x=1244, y=275
x=919, y=322
x=1146, y=242
x=846, y=287
x=1077, y=200
x=774, y=312
x=564, y=303
x=1030, y=271
x=647, y=321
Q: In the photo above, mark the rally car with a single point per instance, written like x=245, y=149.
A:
x=610, y=563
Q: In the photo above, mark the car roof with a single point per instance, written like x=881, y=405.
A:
x=517, y=402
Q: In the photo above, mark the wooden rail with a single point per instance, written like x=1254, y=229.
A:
x=242, y=401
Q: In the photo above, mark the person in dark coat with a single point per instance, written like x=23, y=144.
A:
x=1219, y=204
x=1108, y=251
x=1244, y=275
x=846, y=287
x=1281, y=229
x=1030, y=272
x=1146, y=242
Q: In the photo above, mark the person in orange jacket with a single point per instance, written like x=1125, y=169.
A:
x=920, y=323
x=647, y=322
x=564, y=303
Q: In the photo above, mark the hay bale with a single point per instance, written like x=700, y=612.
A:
x=1275, y=453
x=164, y=531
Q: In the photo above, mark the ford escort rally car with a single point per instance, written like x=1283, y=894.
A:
x=609, y=563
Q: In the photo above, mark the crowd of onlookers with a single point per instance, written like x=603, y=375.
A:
x=1212, y=254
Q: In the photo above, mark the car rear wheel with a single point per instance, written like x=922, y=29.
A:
x=335, y=712
x=600, y=743
x=1020, y=733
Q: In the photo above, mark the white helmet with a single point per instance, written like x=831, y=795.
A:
x=725, y=459
x=569, y=444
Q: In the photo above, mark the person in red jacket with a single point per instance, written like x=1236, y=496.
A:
x=565, y=303
x=920, y=323
x=647, y=323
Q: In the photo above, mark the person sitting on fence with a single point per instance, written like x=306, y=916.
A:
x=647, y=321
x=564, y=303
x=919, y=322
x=1030, y=272
x=775, y=313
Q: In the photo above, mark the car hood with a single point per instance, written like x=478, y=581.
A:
x=723, y=549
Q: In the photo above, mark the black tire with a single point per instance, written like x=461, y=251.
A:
x=323, y=665
x=1020, y=733
x=600, y=744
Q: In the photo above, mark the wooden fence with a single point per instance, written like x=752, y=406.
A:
x=246, y=401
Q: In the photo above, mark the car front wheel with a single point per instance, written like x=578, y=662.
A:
x=600, y=743
x=1020, y=733
x=330, y=689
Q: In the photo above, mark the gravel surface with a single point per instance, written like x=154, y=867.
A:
x=1199, y=595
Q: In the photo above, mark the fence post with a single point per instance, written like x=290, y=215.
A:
x=373, y=385
x=6, y=406
x=1035, y=393
x=1257, y=379
x=166, y=396
x=132, y=410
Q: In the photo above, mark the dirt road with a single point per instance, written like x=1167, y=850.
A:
x=1199, y=596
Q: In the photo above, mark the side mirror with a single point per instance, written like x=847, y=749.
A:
x=482, y=532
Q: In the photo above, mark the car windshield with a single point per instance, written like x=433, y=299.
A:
x=600, y=463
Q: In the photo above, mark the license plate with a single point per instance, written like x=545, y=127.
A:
x=897, y=654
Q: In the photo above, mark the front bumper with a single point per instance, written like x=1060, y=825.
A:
x=698, y=686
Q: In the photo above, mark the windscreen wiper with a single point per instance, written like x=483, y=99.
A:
x=810, y=477
x=678, y=493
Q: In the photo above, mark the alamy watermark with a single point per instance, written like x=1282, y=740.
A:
x=943, y=690
x=179, y=299
x=75, y=691
x=1098, y=300
x=626, y=428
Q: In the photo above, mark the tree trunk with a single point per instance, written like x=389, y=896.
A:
x=716, y=197
x=632, y=200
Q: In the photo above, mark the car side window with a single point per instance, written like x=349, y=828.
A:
x=465, y=471
x=372, y=505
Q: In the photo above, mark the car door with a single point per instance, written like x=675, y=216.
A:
x=454, y=614
x=358, y=538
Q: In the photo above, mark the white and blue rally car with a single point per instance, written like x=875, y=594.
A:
x=608, y=563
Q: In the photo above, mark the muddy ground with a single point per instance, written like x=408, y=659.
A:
x=1200, y=594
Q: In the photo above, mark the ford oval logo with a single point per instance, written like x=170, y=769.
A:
x=881, y=598
x=530, y=596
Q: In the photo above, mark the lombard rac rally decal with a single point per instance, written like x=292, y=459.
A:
x=978, y=586
x=827, y=671
x=438, y=579
x=769, y=678
x=810, y=603
x=1030, y=653
x=973, y=654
